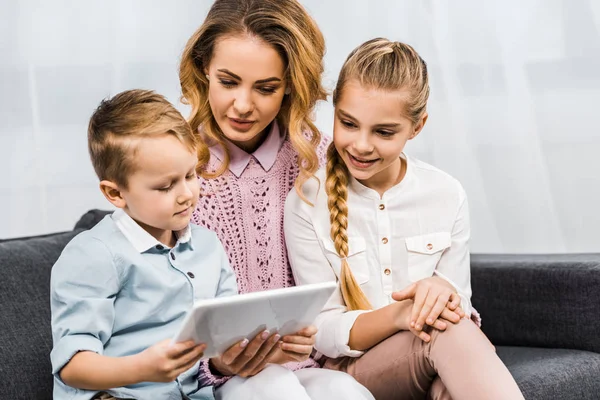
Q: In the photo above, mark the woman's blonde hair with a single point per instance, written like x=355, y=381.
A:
x=379, y=64
x=285, y=25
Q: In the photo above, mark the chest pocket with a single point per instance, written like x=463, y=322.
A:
x=357, y=258
x=424, y=253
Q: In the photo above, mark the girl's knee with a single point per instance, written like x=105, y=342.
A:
x=465, y=332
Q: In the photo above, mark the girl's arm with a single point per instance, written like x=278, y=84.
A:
x=309, y=265
x=340, y=332
x=450, y=286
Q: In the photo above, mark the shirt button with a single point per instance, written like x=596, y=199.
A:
x=387, y=271
x=159, y=247
x=384, y=240
x=382, y=206
x=191, y=275
x=172, y=256
x=429, y=246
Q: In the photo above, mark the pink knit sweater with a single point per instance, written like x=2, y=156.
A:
x=246, y=212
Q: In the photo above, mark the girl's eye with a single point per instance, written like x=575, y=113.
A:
x=267, y=90
x=227, y=83
x=347, y=124
x=385, y=133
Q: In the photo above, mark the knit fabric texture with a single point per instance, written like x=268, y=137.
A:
x=247, y=215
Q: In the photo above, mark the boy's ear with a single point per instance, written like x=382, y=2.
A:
x=112, y=192
x=419, y=126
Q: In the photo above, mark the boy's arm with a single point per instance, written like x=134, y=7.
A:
x=83, y=286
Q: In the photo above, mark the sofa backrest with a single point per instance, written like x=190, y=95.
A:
x=539, y=300
x=25, y=336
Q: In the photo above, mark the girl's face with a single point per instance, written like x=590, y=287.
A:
x=246, y=88
x=370, y=132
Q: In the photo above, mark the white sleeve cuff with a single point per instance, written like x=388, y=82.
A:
x=342, y=333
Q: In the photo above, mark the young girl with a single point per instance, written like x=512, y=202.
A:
x=383, y=221
x=252, y=76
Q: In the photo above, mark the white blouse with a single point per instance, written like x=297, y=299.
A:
x=419, y=228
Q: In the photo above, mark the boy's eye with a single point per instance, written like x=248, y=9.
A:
x=165, y=189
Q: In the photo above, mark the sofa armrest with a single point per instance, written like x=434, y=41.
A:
x=539, y=300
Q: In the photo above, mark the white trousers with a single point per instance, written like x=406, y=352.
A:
x=276, y=382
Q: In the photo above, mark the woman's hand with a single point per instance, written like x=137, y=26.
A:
x=296, y=347
x=247, y=358
x=432, y=298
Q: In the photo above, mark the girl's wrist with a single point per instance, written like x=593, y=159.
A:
x=400, y=315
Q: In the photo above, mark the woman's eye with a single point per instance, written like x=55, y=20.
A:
x=190, y=176
x=226, y=83
x=267, y=90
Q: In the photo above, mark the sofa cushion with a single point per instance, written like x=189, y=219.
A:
x=26, y=338
x=544, y=374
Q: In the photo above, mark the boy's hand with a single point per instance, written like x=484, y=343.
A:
x=247, y=358
x=296, y=347
x=164, y=362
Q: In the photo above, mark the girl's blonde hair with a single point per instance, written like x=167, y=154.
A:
x=379, y=64
x=285, y=25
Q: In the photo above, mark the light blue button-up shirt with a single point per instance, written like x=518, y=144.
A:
x=115, y=290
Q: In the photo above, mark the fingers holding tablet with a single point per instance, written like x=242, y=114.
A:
x=246, y=358
x=299, y=346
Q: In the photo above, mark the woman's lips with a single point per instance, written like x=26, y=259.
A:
x=241, y=125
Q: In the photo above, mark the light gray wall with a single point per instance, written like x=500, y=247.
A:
x=515, y=92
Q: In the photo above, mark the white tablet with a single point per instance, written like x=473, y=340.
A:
x=223, y=321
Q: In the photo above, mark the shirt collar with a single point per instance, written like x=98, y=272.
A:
x=140, y=239
x=266, y=154
x=367, y=192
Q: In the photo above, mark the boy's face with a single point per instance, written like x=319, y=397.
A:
x=163, y=189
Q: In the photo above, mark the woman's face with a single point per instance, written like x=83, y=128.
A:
x=246, y=88
x=370, y=132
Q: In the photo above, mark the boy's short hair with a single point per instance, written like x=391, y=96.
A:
x=119, y=121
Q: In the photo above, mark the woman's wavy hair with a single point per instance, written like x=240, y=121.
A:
x=379, y=64
x=283, y=24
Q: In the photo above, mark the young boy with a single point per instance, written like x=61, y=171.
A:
x=120, y=290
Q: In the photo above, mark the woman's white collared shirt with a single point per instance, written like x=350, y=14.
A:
x=418, y=228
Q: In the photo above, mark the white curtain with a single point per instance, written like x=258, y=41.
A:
x=515, y=87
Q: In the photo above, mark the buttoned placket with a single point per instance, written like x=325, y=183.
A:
x=385, y=246
x=173, y=258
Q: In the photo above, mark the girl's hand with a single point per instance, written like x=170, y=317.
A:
x=247, y=358
x=403, y=312
x=164, y=362
x=433, y=297
x=296, y=347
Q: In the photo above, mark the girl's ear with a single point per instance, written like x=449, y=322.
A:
x=113, y=193
x=419, y=126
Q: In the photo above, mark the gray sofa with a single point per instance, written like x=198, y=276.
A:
x=541, y=312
